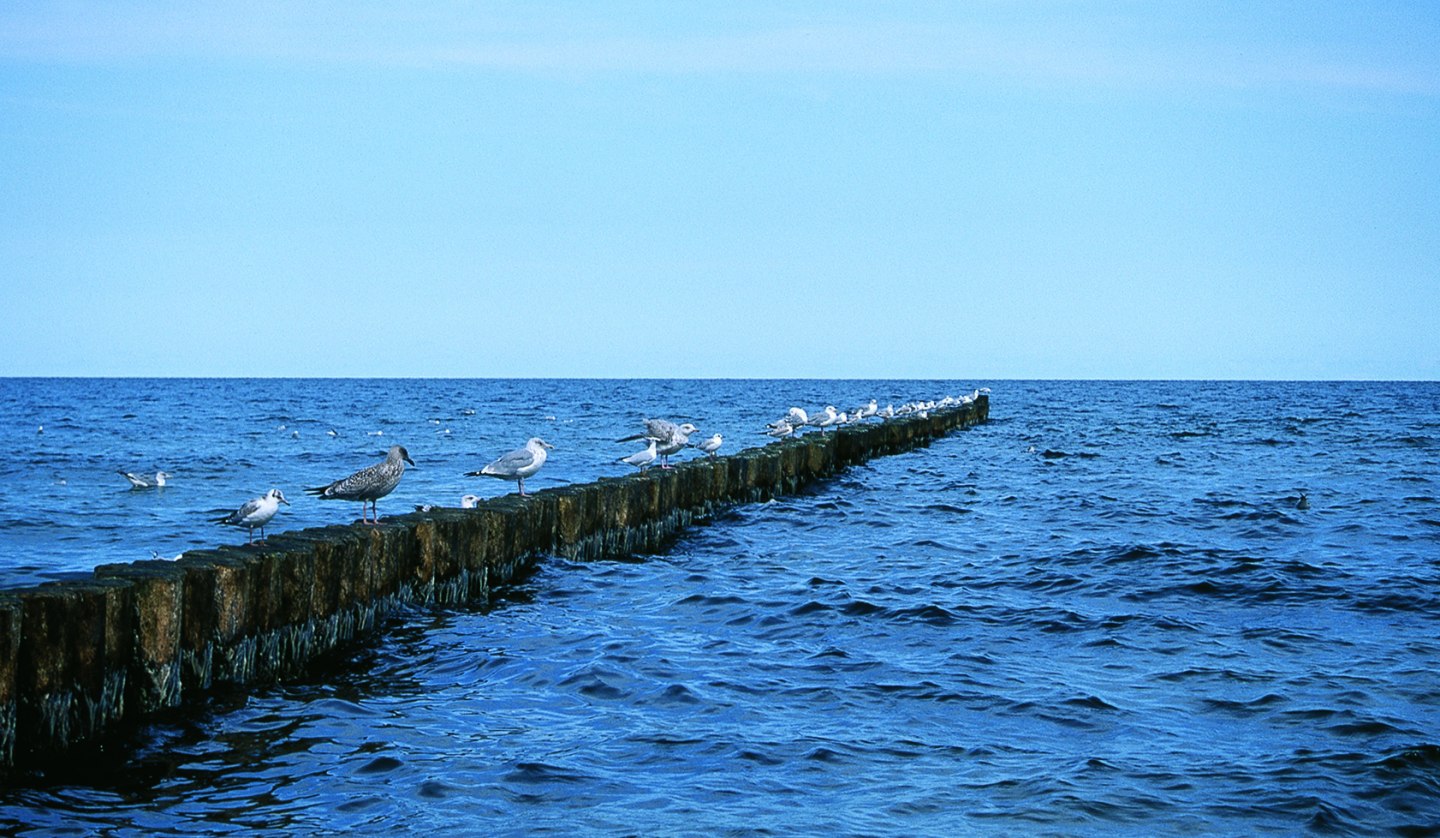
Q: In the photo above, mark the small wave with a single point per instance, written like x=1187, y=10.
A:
x=1250, y=707
x=532, y=773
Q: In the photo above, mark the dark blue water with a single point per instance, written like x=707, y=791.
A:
x=1101, y=613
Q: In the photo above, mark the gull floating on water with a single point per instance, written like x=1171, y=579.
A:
x=369, y=484
x=641, y=459
x=518, y=464
x=138, y=482
x=256, y=512
x=711, y=445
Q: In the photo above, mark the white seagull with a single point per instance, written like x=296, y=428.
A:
x=139, y=482
x=641, y=459
x=711, y=445
x=669, y=437
x=826, y=419
x=518, y=464
x=368, y=484
x=469, y=501
x=780, y=429
x=256, y=512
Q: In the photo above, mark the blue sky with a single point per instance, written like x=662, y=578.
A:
x=936, y=190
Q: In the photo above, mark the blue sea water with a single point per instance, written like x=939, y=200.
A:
x=1100, y=613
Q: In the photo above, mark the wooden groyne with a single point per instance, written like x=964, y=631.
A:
x=80, y=658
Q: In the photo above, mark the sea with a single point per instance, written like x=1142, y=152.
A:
x=1117, y=608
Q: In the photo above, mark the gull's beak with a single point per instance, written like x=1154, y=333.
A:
x=548, y=445
x=410, y=461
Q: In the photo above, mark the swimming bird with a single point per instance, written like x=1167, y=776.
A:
x=138, y=482
x=641, y=459
x=711, y=445
x=1304, y=502
x=369, y=484
x=256, y=512
x=518, y=464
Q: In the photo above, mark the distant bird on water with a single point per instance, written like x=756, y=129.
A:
x=1304, y=502
x=518, y=464
x=369, y=484
x=256, y=512
x=711, y=445
x=141, y=482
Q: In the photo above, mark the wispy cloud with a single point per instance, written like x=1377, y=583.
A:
x=1020, y=46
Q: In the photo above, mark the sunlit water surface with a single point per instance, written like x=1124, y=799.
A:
x=1101, y=613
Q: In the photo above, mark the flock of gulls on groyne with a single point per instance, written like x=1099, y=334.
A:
x=662, y=439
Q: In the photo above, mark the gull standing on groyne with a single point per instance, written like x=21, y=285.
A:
x=369, y=484
x=826, y=419
x=669, y=437
x=518, y=464
x=641, y=459
x=711, y=445
x=256, y=512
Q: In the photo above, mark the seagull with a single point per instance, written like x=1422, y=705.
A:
x=138, y=482
x=797, y=417
x=369, y=484
x=1304, y=502
x=669, y=437
x=677, y=443
x=780, y=429
x=469, y=501
x=641, y=459
x=869, y=410
x=518, y=464
x=711, y=445
x=826, y=419
x=256, y=512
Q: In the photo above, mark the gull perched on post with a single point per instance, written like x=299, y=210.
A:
x=368, y=484
x=256, y=512
x=669, y=437
x=518, y=464
x=826, y=419
x=779, y=430
x=711, y=445
x=641, y=459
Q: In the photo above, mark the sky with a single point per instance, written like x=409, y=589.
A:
x=949, y=190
